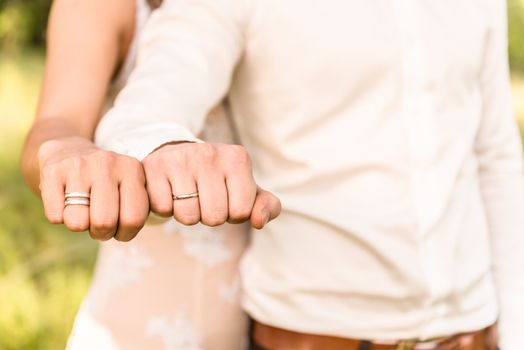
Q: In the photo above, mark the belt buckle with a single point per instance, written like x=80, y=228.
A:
x=408, y=344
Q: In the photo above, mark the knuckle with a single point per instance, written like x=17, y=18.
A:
x=103, y=162
x=104, y=225
x=46, y=148
x=151, y=172
x=73, y=165
x=130, y=162
x=51, y=171
x=240, y=212
x=149, y=161
x=238, y=156
x=136, y=166
x=208, y=153
x=178, y=158
x=53, y=217
x=123, y=238
x=127, y=236
x=132, y=222
x=161, y=208
x=76, y=163
x=103, y=157
x=216, y=218
x=77, y=226
x=50, y=177
x=133, y=167
x=100, y=235
x=175, y=163
x=213, y=222
x=188, y=219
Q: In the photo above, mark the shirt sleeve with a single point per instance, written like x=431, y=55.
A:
x=187, y=55
x=499, y=151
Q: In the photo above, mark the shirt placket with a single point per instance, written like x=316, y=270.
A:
x=422, y=140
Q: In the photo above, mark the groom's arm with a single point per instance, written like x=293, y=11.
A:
x=499, y=152
x=187, y=54
x=187, y=57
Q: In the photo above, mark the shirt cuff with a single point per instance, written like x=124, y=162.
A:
x=140, y=141
x=510, y=324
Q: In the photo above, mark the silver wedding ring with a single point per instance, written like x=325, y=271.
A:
x=77, y=195
x=77, y=198
x=77, y=201
x=185, y=196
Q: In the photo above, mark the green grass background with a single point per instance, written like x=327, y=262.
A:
x=45, y=270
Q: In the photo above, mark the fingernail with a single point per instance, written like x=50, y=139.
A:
x=266, y=219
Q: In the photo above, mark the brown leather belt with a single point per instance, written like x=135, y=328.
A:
x=271, y=338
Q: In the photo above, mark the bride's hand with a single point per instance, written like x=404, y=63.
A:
x=118, y=204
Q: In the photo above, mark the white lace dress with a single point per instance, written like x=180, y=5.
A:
x=172, y=287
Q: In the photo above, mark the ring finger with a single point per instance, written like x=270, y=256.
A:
x=186, y=211
x=76, y=215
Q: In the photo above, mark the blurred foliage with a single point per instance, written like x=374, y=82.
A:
x=518, y=101
x=45, y=270
x=23, y=23
x=516, y=34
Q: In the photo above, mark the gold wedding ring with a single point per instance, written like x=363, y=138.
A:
x=77, y=198
x=185, y=196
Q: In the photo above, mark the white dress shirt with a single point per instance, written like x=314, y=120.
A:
x=385, y=128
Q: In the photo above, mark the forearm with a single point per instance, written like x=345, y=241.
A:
x=503, y=195
x=499, y=152
x=86, y=40
x=44, y=130
x=186, y=61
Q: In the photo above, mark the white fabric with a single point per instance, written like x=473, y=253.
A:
x=385, y=128
x=172, y=287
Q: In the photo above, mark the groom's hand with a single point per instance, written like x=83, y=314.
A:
x=221, y=175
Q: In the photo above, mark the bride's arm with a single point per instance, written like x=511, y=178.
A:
x=87, y=40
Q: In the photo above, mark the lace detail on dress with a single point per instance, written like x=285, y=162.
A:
x=230, y=292
x=176, y=334
x=206, y=244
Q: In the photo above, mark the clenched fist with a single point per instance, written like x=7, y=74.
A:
x=221, y=175
x=115, y=184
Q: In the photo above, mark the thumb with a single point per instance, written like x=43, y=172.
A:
x=266, y=208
